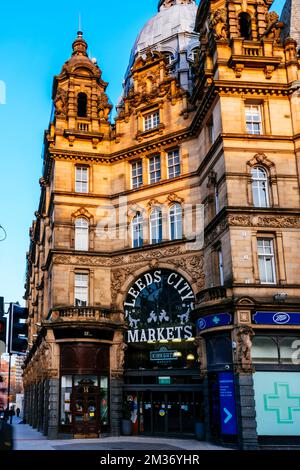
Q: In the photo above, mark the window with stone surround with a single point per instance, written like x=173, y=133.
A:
x=260, y=187
x=175, y=222
x=220, y=265
x=81, y=290
x=154, y=169
x=266, y=260
x=253, y=116
x=136, y=174
x=81, y=234
x=81, y=179
x=137, y=230
x=173, y=160
x=151, y=121
x=156, y=226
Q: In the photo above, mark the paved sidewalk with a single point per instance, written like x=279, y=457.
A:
x=27, y=438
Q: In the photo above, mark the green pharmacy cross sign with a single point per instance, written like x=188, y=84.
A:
x=277, y=403
x=282, y=403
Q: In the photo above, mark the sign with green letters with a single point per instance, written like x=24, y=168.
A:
x=277, y=399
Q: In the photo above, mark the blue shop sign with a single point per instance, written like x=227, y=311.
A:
x=211, y=321
x=276, y=318
x=227, y=403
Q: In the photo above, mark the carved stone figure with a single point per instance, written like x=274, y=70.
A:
x=60, y=102
x=274, y=27
x=218, y=22
x=122, y=347
x=104, y=107
x=244, y=340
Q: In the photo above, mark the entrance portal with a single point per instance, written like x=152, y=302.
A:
x=167, y=412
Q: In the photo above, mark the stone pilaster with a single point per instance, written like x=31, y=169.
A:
x=116, y=401
x=246, y=411
x=53, y=412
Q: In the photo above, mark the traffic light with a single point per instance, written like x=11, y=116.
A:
x=18, y=329
x=2, y=335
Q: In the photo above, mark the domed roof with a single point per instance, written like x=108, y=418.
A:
x=179, y=18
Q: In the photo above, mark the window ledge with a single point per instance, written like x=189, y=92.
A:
x=150, y=132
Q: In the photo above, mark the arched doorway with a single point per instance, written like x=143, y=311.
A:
x=162, y=380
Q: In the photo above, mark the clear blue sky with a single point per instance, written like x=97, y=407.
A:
x=35, y=41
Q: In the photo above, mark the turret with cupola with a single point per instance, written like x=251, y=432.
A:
x=82, y=107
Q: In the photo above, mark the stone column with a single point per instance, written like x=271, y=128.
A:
x=53, y=410
x=244, y=388
x=116, y=402
x=46, y=407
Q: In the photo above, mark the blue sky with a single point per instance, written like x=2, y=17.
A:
x=35, y=41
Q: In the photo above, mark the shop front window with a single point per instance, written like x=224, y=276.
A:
x=276, y=350
x=66, y=391
x=84, y=400
x=104, y=401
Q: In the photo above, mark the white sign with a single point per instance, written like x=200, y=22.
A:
x=160, y=334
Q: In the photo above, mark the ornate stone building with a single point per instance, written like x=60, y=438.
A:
x=163, y=271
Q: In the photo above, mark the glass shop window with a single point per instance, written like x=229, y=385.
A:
x=264, y=350
x=65, y=401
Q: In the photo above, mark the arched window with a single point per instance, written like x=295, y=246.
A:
x=245, y=26
x=137, y=230
x=82, y=105
x=81, y=234
x=193, y=54
x=260, y=187
x=156, y=226
x=175, y=221
x=169, y=57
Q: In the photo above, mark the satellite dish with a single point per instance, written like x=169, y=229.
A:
x=94, y=60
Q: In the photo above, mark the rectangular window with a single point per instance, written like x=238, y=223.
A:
x=266, y=261
x=220, y=266
x=217, y=200
x=211, y=131
x=151, y=121
x=81, y=179
x=173, y=163
x=154, y=169
x=253, y=119
x=81, y=290
x=136, y=174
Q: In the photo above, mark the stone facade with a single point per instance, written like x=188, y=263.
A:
x=208, y=127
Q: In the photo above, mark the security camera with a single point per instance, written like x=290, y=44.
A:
x=227, y=367
x=234, y=345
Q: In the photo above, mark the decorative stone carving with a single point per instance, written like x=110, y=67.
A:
x=104, y=107
x=60, y=103
x=268, y=71
x=238, y=69
x=121, y=350
x=280, y=221
x=218, y=22
x=261, y=158
x=81, y=260
x=274, y=26
x=193, y=265
x=118, y=279
x=82, y=212
x=244, y=345
x=240, y=220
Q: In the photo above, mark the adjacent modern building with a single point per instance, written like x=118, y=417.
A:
x=163, y=271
